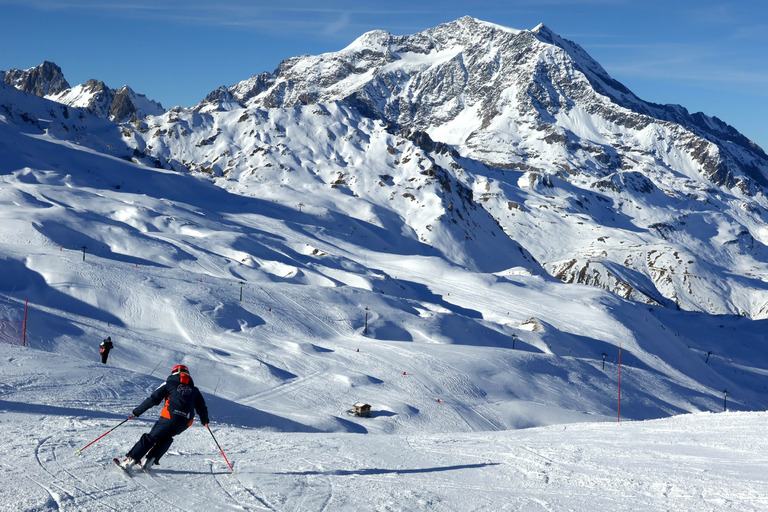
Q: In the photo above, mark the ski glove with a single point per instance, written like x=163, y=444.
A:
x=136, y=412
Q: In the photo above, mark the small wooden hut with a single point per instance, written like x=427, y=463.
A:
x=362, y=410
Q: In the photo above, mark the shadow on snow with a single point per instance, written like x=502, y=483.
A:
x=379, y=471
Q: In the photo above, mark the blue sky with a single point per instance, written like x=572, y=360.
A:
x=709, y=56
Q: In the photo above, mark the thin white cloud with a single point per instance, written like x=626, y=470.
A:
x=329, y=19
x=93, y=7
x=338, y=25
x=687, y=68
x=222, y=8
x=752, y=32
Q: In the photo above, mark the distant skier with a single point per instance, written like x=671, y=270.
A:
x=106, y=346
x=182, y=399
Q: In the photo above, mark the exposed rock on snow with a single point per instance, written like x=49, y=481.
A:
x=47, y=80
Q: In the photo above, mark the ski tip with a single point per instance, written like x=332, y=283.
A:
x=79, y=452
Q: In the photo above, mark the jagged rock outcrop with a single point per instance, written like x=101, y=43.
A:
x=119, y=105
x=47, y=80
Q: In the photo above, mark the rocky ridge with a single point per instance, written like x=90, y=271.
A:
x=118, y=105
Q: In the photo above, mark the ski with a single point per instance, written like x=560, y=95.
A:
x=121, y=468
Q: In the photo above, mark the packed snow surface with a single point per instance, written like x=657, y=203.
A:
x=690, y=462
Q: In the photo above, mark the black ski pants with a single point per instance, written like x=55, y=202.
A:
x=155, y=443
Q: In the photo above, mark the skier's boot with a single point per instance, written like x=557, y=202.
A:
x=128, y=463
x=149, y=463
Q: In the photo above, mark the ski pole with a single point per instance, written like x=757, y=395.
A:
x=155, y=368
x=219, y=447
x=80, y=451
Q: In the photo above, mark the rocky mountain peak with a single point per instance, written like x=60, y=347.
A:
x=122, y=108
x=45, y=79
x=95, y=86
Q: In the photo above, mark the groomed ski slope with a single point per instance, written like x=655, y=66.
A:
x=693, y=462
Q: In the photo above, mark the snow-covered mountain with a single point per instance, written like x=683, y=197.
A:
x=304, y=256
x=600, y=187
x=500, y=95
x=47, y=80
x=325, y=211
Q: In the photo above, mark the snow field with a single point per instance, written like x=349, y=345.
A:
x=689, y=462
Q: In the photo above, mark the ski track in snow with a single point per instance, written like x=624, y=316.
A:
x=687, y=463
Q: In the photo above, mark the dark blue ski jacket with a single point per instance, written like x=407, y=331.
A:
x=182, y=399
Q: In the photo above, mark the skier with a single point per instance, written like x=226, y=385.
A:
x=182, y=399
x=106, y=346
